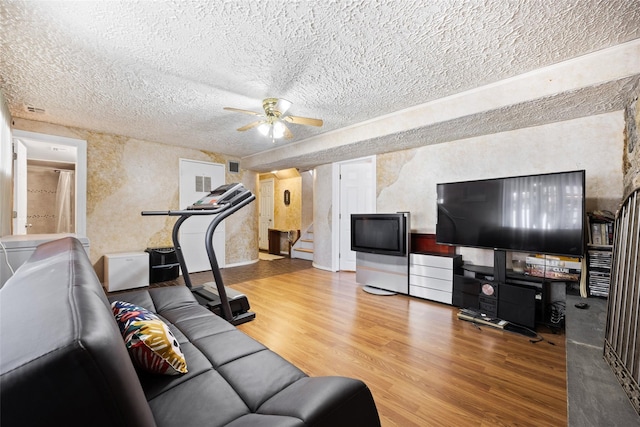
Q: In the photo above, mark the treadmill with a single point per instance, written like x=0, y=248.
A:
x=220, y=203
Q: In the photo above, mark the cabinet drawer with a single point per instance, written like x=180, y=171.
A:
x=430, y=294
x=435, y=272
x=432, y=260
x=431, y=283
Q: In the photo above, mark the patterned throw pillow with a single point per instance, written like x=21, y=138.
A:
x=151, y=344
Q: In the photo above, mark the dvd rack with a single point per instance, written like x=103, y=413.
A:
x=599, y=252
x=599, y=271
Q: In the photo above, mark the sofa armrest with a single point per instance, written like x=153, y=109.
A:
x=62, y=358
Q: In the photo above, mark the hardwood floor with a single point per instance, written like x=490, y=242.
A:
x=424, y=366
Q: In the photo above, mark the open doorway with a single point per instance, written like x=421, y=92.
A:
x=281, y=206
x=49, y=184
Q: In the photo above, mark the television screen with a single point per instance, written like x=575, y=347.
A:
x=379, y=233
x=536, y=213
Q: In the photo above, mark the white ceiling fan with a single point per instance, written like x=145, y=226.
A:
x=273, y=119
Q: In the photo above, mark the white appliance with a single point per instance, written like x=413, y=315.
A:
x=126, y=270
x=17, y=249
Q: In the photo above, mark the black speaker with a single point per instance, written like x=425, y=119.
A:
x=517, y=304
x=488, y=298
x=466, y=291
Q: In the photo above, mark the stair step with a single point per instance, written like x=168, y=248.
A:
x=307, y=240
x=303, y=250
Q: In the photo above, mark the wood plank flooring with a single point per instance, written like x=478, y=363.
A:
x=424, y=366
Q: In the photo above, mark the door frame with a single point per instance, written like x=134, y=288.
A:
x=335, y=200
x=20, y=189
x=81, y=170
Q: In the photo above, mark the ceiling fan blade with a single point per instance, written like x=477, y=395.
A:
x=303, y=121
x=251, y=125
x=287, y=132
x=238, y=110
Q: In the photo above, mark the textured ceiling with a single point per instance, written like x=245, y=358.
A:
x=163, y=70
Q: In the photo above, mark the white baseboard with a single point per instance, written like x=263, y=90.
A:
x=238, y=264
x=322, y=267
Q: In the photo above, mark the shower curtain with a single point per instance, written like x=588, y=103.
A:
x=63, y=202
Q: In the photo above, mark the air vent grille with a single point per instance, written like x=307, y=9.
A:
x=32, y=109
x=234, y=167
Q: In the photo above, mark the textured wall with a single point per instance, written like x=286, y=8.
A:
x=632, y=141
x=407, y=179
x=126, y=176
x=287, y=217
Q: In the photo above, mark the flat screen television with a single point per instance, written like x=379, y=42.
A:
x=536, y=213
x=384, y=234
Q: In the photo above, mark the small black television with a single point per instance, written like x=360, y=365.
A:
x=384, y=234
x=535, y=213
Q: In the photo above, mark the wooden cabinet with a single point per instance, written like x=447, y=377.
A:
x=274, y=241
x=431, y=276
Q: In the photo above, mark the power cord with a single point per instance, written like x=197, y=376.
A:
x=557, y=313
x=509, y=327
x=6, y=258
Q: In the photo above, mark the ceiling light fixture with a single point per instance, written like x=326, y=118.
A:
x=273, y=129
x=274, y=120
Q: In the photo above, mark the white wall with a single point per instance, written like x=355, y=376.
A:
x=6, y=166
x=594, y=144
x=407, y=179
x=322, y=223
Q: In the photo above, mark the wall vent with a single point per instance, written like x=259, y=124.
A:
x=31, y=109
x=234, y=167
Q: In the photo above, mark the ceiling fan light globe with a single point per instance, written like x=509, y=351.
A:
x=283, y=105
x=278, y=130
x=264, y=128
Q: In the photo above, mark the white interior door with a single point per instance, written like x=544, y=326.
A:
x=197, y=179
x=266, y=213
x=357, y=195
x=20, y=187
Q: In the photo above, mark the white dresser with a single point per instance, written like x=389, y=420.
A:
x=431, y=276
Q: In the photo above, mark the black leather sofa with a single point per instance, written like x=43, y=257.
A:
x=63, y=361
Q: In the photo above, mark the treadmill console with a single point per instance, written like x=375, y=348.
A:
x=221, y=195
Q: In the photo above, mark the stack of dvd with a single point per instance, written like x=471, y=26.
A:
x=599, y=272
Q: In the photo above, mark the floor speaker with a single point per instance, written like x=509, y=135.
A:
x=466, y=291
x=517, y=304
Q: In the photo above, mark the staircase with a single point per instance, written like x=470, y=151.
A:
x=303, y=248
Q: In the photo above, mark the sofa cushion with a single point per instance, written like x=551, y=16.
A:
x=151, y=344
x=238, y=381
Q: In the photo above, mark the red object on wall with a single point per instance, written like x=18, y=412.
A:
x=427, y=243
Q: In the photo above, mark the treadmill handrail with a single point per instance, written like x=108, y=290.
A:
x=215, y=269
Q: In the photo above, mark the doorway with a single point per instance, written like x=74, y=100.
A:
x=50, y=183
